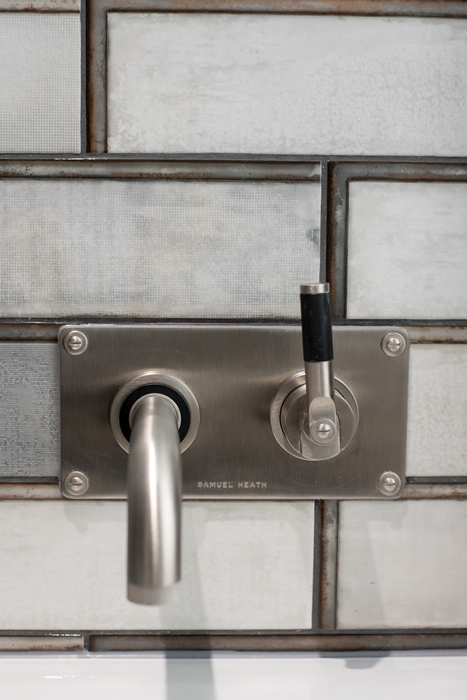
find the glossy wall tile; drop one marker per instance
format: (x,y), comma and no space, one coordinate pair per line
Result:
(402,564)
(156,248)
(407,250)
(40,82)
(437,438)
(245,566)
(233,83)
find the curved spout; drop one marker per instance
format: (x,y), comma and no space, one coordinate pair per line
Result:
(154,501)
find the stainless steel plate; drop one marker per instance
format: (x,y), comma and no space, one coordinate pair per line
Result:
(234,372)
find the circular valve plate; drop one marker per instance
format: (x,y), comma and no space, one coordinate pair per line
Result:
(289,410)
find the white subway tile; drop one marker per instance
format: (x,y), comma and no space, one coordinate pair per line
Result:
(246,565)
(402,564)
(407,250)
(437,431)
(287,84)
(40,82)
(156,248)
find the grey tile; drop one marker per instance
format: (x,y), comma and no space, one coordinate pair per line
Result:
(287,84)
(407,250)
(29,418)
(246,565)
(437,434)
(402,564)
(38,5)
(156,248)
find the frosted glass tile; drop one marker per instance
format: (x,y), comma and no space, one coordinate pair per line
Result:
(156,248)
(40,90)
(407,250)
(245,566)
(437,435)
(402,564)
(287,84)
(29,420)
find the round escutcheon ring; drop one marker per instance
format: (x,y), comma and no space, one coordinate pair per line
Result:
(293,391)
(176,391)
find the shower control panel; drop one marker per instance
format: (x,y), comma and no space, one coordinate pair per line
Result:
(264,412)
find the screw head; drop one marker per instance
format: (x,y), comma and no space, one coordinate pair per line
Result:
(323,431)
(76,483)
(393,344)
(75,342)
(389,483)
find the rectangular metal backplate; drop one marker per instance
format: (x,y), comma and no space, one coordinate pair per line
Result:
(234,372)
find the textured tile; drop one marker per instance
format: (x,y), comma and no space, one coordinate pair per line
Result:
(437,433)
(156,249)
(29,420)
(402,564)
(40,88)
(287,84)
(407,250)
(245,566)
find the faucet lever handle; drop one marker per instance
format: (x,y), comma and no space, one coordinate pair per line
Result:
(316,322)
(320,432)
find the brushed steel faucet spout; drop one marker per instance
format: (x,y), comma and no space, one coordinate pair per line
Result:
(154,500)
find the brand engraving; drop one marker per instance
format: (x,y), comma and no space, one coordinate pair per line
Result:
(232,484)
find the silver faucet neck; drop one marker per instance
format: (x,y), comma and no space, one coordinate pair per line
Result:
(154,501)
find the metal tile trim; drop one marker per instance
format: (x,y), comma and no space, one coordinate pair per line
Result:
(329,528)
(324,220)
(317,550)
(180,168)
(40,6)
(34,642)
(348,642)
(431,491)
(30,491)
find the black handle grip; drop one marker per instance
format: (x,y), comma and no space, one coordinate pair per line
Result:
(316,327)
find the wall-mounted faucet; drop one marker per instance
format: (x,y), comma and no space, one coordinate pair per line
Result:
(281,412)
(154,417)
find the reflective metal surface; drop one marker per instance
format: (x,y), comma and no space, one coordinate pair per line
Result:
(154,501)
(320,427)
(235,372)
(144,379)
(289,415)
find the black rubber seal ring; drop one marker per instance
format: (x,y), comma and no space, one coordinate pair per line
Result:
(177,398)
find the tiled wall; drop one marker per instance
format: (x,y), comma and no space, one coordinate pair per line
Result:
(125,235)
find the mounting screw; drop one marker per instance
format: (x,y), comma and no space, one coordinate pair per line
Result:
(75,342)
(393,344)
(76,483)
(322,431)
(389,483)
